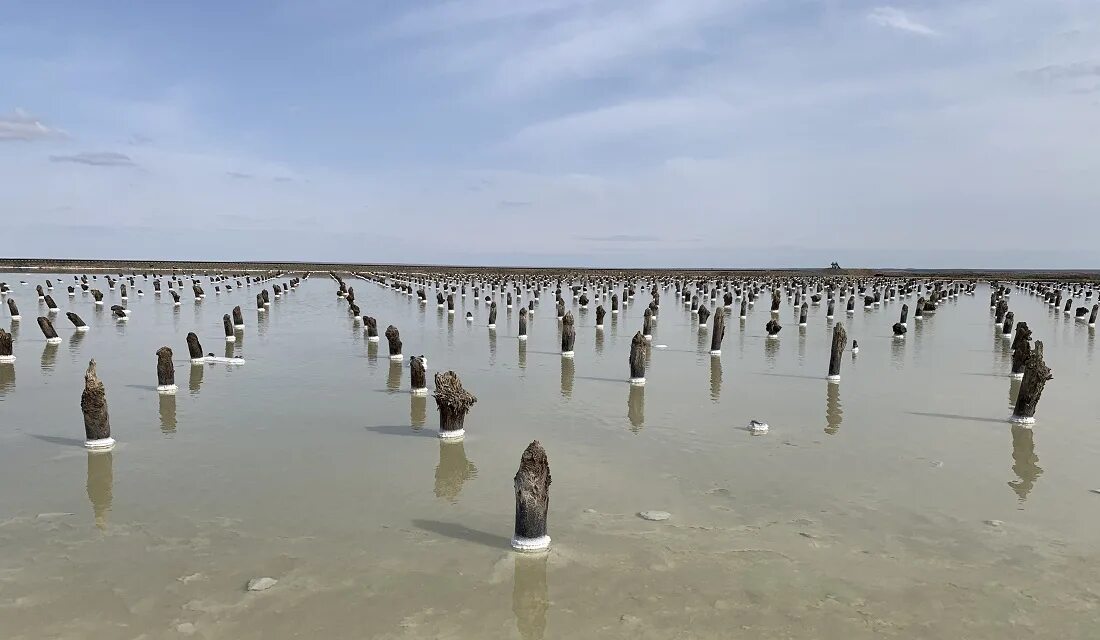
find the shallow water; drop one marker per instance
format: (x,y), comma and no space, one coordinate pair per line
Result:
(864,513)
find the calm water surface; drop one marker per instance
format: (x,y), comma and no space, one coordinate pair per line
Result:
(897,503)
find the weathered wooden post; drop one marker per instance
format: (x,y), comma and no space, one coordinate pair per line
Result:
(453,402)
(637,359)
(647,324)
(51,306)
(394,338)
(266,297)
(773,328)
(98,295)
(7,356)
(238,318)
(1006,329)
(600,313)
(1021,349)
(372,328)
(419,376)
(704,315)
(904,315)
(13,310)
(851,307)
(227,325)
(718,333)
(166,371)
(1036,374)
(568,335)
(48,331)
(93,404)
(614,304)
(744,309)
(532,483)
(829,312)
(803,311)
(78,323)
(260,306)
(119,313)
(775,300)
(1092,316)
(493,315)
(899,331)
(840,338)
(194,349)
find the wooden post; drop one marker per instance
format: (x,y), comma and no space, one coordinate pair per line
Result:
(532,484)
(600,313)
(48,331)
(1036,374)
(493,315)
(802,313)
(637,359)
(166,371)
(773,328)
(238,318)
(6,353)
(453,402)
(1021,349)
(93,404)
(568,335)
(372,328)
(744,309)
(13,310)
(523,323)
(718,333)
(704,315)
(419,377)
(1006,329)
(394,339)
(840,338)
(77,321)
(194,349)
(227,325)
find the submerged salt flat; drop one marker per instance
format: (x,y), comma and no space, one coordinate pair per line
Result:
(897,503)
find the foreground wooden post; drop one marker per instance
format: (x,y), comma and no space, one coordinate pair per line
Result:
(453,402)
(372,328)
(93,404)
(1006,329)
(48,331)
(1021,349)
(419,377)
(718,333)
(166,371)
(6,354)
(238,318)
(637,359)
(704,315)
(532,483)
(194,349)
(568,335)
(773,328)
(493,315)
(77,321)
(840,338)
(227,325)
(394,338)
(600,313)
(1036,374)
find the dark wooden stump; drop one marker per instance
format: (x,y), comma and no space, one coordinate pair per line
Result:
(718,333)
(372,328)
(744,309)
(75,319)
(493,315)
(419,377)
(773,328)
(12,308)
(259,300)
(50,304)
(394,338)
(532,484)
(1021,349)
(194,348)
(899,330)
(1092,316)
(47,327)
(568,334)
(840,338)
(238,317)
(166,371)
(802,314)
(1006,329)
(647,324)
(704,315)
(93,403)
(5,345)
(98,295)
(600,313)
(1036,374)
(453,402)
(637,358)
(227,325)
(522,323)
(614,303)
(904,314)
(829,313)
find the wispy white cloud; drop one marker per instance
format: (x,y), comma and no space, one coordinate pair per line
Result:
(96,158)
(898,19)
(22,126)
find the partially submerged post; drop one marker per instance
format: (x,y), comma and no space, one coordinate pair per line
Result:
(50,304)
(899,330)
(93,404)
(13,310)
(1036,374)
(840,337)
(394,338)
(647,324)
(166,371)
(453,402)
(260,308)
(372,328)
(718,333)
(568,335)
(227,325)
(704,315)
(238,318)
(523,323)
(802,312)
(904,315)
(773,328)
(493,315)
(637,359)
(419,377)
(6,354)
(532,483)
(1006,329)
(1021,349)
(47,330)
(600,313)
(194,349)
(77,321)
(98,295)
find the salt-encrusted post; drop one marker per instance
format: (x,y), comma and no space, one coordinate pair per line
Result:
(194,349)
(840,338)
(1021,349)
(532,483)
(1036,374)
(394,338)
(419,377)
(453,402)
(93,404)
(637,359)
(166,371)
(718,333)
(568,335)
(523,323)
(6,353)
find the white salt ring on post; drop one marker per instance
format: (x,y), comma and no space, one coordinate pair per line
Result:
(397,357)
(567,354)
(531,545)
(53,340)
(103,444)
(167,389)
(637,381)
(457,434)
(7,359)
(1015,419)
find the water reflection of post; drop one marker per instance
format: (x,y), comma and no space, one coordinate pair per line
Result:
(167,413)
(7,378)
(75,341)
(372,354)
(568,367)
(599,338)
(1024,461)
(530,596)
(393,378)
(897,353)
(452,471)
(49,357)
(834,412)
(100,485)
(771,350)
(522,354)
(635,407)
(194,381)
(492,346)
(715,378)
(418,411)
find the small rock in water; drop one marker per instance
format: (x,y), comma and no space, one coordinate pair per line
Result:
(261,584)
(994,523)
(757,427)
(655,516)
(1095,490)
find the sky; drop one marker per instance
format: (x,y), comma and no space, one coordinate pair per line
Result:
(648,133)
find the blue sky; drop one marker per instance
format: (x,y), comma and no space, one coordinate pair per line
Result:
(594,132)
